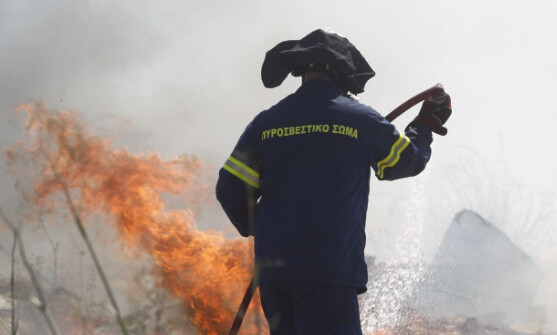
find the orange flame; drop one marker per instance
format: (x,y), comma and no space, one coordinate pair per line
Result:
(208,272)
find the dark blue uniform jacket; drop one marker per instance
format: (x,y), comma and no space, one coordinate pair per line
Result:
(298,180)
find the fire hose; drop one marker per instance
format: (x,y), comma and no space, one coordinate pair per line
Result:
(433,91)
(436,90)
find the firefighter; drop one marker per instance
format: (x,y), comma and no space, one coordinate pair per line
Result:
(298,181)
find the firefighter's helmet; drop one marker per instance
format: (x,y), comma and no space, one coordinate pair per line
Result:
(318,51)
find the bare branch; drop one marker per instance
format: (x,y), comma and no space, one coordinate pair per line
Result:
(12,288)
(42,305)
(93,254)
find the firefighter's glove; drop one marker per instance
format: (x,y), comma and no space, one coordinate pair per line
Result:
(435,112)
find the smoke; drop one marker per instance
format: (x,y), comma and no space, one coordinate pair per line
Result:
(57,49)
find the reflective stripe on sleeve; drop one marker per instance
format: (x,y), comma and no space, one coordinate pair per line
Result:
(242,171)
(393,156)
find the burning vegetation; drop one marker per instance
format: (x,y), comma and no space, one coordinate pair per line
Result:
(206,271)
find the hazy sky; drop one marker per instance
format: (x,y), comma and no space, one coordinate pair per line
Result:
(184,77)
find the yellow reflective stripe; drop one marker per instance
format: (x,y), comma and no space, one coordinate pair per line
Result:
(244,167)
(393,156)
(242,171)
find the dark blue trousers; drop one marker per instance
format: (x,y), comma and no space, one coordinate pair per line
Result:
(298,308)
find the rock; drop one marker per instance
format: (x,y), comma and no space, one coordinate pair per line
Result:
(478,272)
